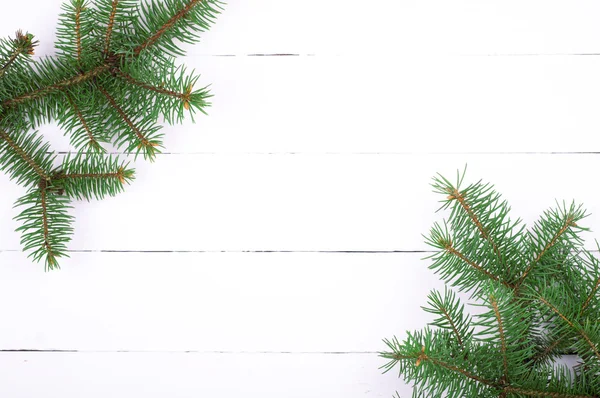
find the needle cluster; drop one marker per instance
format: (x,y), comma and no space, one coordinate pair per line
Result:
(113,81)
(538,293)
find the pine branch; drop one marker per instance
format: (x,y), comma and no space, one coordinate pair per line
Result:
(591,295)
(53,88)
(546,306)
(567,224)
(92,176)
(162,23)
(572,324)
(81,132)
(113,79)
(140,141)
(543,394)
(110,26)
(450,315)
(46,225)
(10,51)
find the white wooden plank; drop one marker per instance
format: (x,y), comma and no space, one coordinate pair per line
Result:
(159,375)
(310,202)
(251,302)
(381,26)
(390,105)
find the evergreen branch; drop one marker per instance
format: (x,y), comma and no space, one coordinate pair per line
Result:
(92,176)
(22,153)
(47,247)
(144,143)
(460,197)
(43,91)
(494,305)
(569,222)
(545,353)
(450,312)
(110,27)
(91,140)
(572,325)
(78,10)
(591,295)
(543,394)
(47,226)
(23,44)
(452,250)
(422,357)
(167,26)
(184,97)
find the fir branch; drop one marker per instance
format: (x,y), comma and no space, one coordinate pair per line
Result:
(562,222)
(51,256)
(92,143)
(184,97)
(571,323)
(150,41)
(92,176)
(546,307)
(494,305)
(451,314)
(422,357)
(78,10)
(547,351)
(454,194)
(23,44)
(46,225)
(591,296)
(22,153)
(110,27)
(113,77)
(568,223)
(43,91)
(147,146)
(543,394)
(450,249)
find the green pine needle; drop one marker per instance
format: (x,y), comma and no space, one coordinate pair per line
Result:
(113,81)
(539,291)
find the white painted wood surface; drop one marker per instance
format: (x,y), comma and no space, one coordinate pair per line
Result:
(267,252)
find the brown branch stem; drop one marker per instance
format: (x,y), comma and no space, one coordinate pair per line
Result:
(43,91)
(168,25)
(450,249)
(572,325)
(110,26)
(550,244)
(23,155)
(113,103)
(150,87)
(494,304)
(92,141)
(455,194)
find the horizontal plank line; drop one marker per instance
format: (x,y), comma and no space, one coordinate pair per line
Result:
(35,351)
(349,153)
(275,55)
(252,251)
(241,251)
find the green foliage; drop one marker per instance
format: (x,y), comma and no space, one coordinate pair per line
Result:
(539,294)
(113,81)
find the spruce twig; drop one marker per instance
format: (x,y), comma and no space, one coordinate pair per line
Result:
(546,306)
(112,80)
